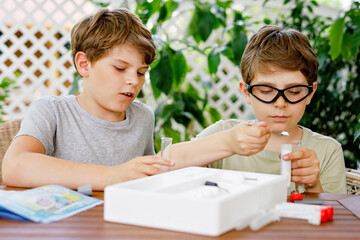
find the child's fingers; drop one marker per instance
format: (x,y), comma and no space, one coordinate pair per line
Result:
(302,163)
(305,170)
(257,124)
(158,160)
(152,169)
(306,179)
(261,124)
(297,155)
(258,130)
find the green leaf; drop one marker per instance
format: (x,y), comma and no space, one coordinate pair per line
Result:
(315,3)
(156,91)
(357,132)
(236,46)
(355,44)
(170,132)
(205,25)
(201,24)
(173,109)
(219,15)
(224,4)
(160,108)
(229,53)
(191,100)
(355,17)
(161,75)
(192,28)
(166,10)
(310,8)
(179,67)
(336,37)
(145,9)
(213,61)
(346,46)
(163,14)
(192,92)
(214,115)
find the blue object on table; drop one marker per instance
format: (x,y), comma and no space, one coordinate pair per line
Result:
(11,216)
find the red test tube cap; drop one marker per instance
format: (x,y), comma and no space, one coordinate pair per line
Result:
(323,215)
(296,196)
(330,212)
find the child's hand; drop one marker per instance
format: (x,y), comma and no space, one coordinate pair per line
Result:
(248,139)
(137,168)
(305,169)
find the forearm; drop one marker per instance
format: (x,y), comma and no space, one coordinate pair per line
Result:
(35,169)
(201,152)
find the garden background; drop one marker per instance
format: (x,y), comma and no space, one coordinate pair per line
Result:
(194,81)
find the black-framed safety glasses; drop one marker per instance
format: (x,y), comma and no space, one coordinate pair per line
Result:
(269,94)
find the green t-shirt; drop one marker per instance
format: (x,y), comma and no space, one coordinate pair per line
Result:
(328,151)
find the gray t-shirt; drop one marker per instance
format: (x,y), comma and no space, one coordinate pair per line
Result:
(69,132)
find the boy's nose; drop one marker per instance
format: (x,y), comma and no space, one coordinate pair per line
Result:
(280,102)
(132,79)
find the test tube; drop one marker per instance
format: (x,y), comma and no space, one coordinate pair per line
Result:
(297,145)
(285,169)
(315,214)
(165,150)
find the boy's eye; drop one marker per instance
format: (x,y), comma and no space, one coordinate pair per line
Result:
(141,74)
(266,91)
(119,69)
(294,92)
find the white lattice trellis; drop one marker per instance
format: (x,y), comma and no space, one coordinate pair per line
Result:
(34,42)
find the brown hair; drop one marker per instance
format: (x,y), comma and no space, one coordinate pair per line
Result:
(96,35)
(282,48)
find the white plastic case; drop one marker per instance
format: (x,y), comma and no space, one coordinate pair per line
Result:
(179,200)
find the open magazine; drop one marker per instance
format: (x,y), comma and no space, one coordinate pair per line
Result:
(44,204)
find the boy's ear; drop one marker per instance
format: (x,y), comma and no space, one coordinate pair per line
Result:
(308,100)
(82,64)
(244,92)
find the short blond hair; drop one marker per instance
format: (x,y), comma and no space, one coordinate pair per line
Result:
(95,35)
(274,46)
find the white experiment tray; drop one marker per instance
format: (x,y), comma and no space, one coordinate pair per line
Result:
(179,200)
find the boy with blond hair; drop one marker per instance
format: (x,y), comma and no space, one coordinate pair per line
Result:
(101,136)
(279,70)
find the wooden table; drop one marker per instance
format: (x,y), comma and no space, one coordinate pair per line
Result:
(91,225)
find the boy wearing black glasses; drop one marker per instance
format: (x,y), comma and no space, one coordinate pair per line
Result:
(279,70)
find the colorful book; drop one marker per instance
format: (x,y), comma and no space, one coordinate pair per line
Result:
(44,204)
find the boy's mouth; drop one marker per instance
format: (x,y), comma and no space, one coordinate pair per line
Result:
(279,118)
(128,94)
